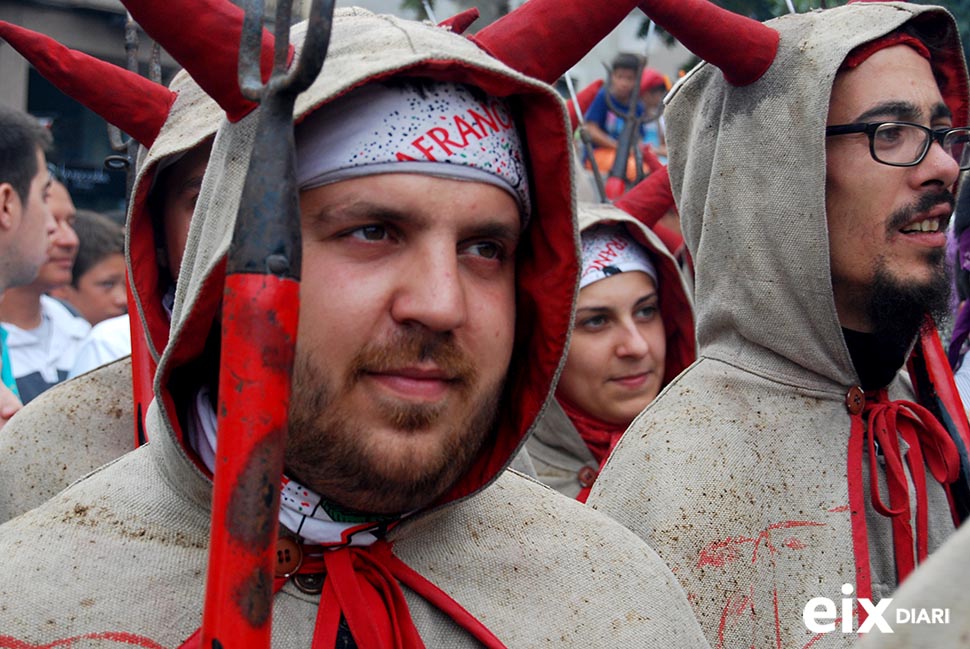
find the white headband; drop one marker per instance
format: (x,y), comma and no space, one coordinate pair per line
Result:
(416,126)
(608,250)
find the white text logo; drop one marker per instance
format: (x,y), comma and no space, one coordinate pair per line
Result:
(821,614)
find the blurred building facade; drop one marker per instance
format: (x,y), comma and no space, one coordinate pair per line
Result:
(96,27)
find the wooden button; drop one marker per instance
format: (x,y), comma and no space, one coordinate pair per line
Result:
(586,476)
(289,556)
(309,583)
(855,400)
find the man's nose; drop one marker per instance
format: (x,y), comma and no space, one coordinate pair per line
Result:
(66,237)
(431,292)
(50,223)
(119,297)
(939,167)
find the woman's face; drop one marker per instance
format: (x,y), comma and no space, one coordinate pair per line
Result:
(615,365)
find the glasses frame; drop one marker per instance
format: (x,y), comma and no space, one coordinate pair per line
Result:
(869,128)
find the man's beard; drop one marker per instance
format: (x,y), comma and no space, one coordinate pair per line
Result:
(896,309)
(329,452)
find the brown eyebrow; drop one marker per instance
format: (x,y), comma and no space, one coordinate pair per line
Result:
(362,209)
(903,111)
(605,309)
(498,231)
(593,309)
(941,110)
(358,209)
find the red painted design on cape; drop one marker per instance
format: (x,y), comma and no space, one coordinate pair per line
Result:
(121,637)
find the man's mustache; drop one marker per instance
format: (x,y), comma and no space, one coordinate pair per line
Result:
(925,203)
(410,347)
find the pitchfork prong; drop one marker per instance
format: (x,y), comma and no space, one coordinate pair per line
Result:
(305,69)
(251,50)
(314,47)
(284,13)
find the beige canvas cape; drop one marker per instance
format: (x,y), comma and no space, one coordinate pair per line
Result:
(932,609)
(74,429)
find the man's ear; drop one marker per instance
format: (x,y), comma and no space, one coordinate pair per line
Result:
(11,207)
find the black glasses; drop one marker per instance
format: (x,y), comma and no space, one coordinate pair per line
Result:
(904,144)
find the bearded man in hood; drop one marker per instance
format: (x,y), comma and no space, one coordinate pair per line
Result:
(438,281)
(41,444)
(793,460)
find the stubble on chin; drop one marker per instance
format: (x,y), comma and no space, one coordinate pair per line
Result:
(421,450)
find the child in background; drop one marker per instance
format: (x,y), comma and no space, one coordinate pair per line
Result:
(97,288)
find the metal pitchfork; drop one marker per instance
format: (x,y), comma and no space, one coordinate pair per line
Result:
(259,322)
(129,148)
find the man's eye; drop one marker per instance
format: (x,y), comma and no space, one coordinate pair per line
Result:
(486,249)
(890,135)
(370,233)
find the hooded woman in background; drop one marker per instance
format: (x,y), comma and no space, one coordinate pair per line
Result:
(634,332)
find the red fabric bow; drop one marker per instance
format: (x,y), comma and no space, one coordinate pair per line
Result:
(886,422)
(361,586)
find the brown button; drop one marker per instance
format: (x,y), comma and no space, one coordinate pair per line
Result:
(289,556)
(309,583)
(855,400)
(586,476)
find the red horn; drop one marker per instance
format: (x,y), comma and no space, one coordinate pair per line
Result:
(649,199)
(460,21)
(543,39)
(742,48)
(134,104)
(204,36)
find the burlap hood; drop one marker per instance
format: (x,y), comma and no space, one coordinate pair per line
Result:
(747,168)
(557,450)
(193,118)
(546,263)
(675,302)
(746,473)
